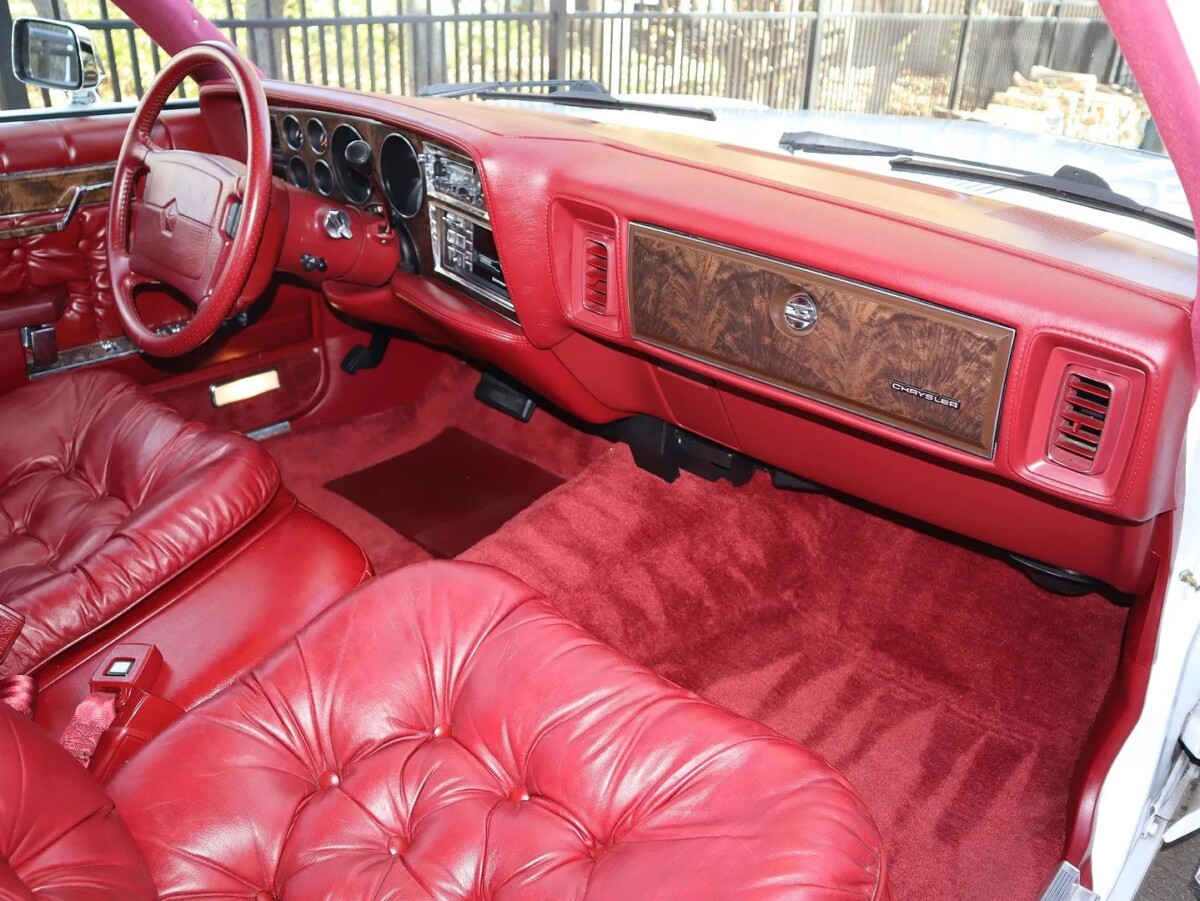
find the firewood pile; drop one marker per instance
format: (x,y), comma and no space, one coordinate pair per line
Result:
(1073,104)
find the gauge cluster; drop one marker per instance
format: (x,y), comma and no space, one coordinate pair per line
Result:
(432,193)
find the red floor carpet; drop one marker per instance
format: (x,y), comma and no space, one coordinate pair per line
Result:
(952,692)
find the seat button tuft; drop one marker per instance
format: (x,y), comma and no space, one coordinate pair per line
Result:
(518,794)
(396,845)
(330,779)
(264,895)
(442,731)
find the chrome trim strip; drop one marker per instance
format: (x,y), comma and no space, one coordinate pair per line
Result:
(88,354)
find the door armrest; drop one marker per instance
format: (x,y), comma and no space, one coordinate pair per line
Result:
(32,308)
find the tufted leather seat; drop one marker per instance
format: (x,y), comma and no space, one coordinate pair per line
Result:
(443,732)
(60,836)
(105,494)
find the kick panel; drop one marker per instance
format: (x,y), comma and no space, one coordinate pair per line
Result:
(923,368)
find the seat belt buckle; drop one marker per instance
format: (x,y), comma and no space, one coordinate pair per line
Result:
(126,669)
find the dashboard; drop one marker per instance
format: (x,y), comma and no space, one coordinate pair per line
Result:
(998,372)
(429,191)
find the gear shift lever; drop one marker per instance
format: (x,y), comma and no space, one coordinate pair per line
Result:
(361,159)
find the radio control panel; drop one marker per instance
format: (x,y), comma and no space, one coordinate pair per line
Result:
(464,248)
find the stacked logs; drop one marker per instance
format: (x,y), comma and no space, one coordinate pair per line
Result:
(1073,104)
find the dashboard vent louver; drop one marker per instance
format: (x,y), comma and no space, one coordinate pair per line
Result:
(1084,406)
(595,276)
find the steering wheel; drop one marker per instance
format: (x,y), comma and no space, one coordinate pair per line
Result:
(189,220)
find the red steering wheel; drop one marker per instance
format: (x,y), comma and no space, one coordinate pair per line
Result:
(192,221)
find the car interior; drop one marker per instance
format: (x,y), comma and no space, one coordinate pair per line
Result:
(602,503)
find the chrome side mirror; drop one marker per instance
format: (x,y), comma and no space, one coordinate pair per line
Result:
(52,54)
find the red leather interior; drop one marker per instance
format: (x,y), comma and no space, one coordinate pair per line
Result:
(61,838)
(35,308)
(443,731)
(214,622)
(105,495)
(74,258)
(1108,298)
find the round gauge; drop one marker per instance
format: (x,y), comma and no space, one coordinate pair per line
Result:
(292,135)
(402,179)
(356,186)
(323,178)
(298,172)
(318,137)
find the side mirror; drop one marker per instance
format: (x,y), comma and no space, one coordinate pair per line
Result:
(52,54)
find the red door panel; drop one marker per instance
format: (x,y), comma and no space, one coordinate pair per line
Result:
(42,161)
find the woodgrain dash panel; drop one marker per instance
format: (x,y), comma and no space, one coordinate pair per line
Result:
(723,306)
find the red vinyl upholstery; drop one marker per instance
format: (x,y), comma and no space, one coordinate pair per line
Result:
(105,494)
(443,732)
(61,838)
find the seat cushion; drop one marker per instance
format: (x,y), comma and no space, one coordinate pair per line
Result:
(105,494)
(443,732)
(60,836)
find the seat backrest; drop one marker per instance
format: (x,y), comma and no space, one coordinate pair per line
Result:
(60,835)
(106,494)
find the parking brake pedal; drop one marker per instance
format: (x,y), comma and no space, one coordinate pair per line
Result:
(505,396)
(366,357)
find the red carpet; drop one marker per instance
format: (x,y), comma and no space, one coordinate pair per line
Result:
(952,692)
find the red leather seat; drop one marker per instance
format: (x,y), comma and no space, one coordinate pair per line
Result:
(442,732)
(60,836)
(106,494)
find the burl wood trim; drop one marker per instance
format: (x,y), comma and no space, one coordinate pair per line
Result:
(721,305)
(46,190)
(374,134)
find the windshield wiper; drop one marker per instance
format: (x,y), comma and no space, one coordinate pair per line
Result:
(1069,183)
(470,88)
(583,93)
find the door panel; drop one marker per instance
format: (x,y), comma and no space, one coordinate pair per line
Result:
(43,161)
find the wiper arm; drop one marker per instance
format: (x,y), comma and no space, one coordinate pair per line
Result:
(470,88)
(1068,183)
(567,92)
(601,101)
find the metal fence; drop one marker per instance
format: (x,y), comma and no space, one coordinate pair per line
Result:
(868,56)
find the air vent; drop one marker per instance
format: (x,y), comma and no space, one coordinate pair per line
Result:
(595,276)
(1084,407)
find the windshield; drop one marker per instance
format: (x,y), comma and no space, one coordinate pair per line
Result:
(1031,85)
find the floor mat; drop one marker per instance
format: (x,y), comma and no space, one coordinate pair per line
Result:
(309,458)
(448,493)
(953,693)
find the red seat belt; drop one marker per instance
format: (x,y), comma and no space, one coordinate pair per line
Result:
(17,691)
(94,714)
(126,671)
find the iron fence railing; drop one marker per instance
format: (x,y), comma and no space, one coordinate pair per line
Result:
(838,55)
